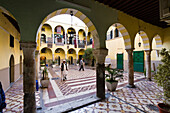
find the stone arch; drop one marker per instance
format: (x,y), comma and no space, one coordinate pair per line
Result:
(74,51)
(71,55)
(83,34)
(11,69)
(124,33)
(62,28)
(47,52)
(145,40)
(158,40)
(43,38)
(59,52)
(81,16)
(80,53)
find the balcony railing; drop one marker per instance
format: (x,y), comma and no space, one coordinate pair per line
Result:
(59,41)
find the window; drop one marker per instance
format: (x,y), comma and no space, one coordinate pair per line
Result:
(11,41)
(43,38)
(43,29)
(111,34)
(116,33)
(43,50)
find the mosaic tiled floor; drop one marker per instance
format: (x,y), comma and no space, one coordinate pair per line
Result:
(136,100)
(78,84)
(14,98)
(82,84)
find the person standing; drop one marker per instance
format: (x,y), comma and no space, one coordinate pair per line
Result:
(2,99)
(64,70)
(81,65)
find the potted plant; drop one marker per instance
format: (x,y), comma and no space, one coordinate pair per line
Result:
(111,81)
(162,78)
(44,80)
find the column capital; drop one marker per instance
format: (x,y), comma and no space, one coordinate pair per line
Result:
(100,54)
(148,52)
(28,44)
(129,50)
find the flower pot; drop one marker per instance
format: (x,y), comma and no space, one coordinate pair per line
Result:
(111,86)
(44,83)
(162,107)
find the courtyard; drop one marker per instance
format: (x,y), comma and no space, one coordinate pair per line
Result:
(80,87)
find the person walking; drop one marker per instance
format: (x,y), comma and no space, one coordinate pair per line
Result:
(81,65)
(64,70)
(2,99)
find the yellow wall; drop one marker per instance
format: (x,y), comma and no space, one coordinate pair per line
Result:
(48,31)
(115,46)
(48,55)
(61,54)
(6,28)
(81,37)
(166,39)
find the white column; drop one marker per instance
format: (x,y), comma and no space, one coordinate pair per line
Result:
(65,37)
(53,57)
(77,38)
(65,56)
(52,36)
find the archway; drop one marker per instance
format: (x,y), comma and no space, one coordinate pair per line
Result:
(80,54)
(11,69)
(59,35)
(43,38)
(140,44)
(71,53)
(47,53)
(117,40)
(71,36)
(59,55)
(82,38)
(156,48)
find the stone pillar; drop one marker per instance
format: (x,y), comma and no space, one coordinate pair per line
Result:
(29,76)
(76,59)
(148,64)
(100,55)
(86,39)
(130,69)
(65,56)
(37,59)
(52,56)
(53,36)
(77,35)
(66,37)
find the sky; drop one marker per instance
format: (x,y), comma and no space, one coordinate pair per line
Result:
(65,18)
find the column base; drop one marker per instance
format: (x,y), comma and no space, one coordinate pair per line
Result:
(29,103)
(149,79)
(131,86)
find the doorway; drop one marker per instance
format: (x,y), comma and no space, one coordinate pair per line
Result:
(138,61)
(120,61)
(21,65)
(58,60)
(11,69)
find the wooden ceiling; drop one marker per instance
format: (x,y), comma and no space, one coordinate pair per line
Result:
(146,10)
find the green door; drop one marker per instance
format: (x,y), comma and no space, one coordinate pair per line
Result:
(120,61)
(138,61)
